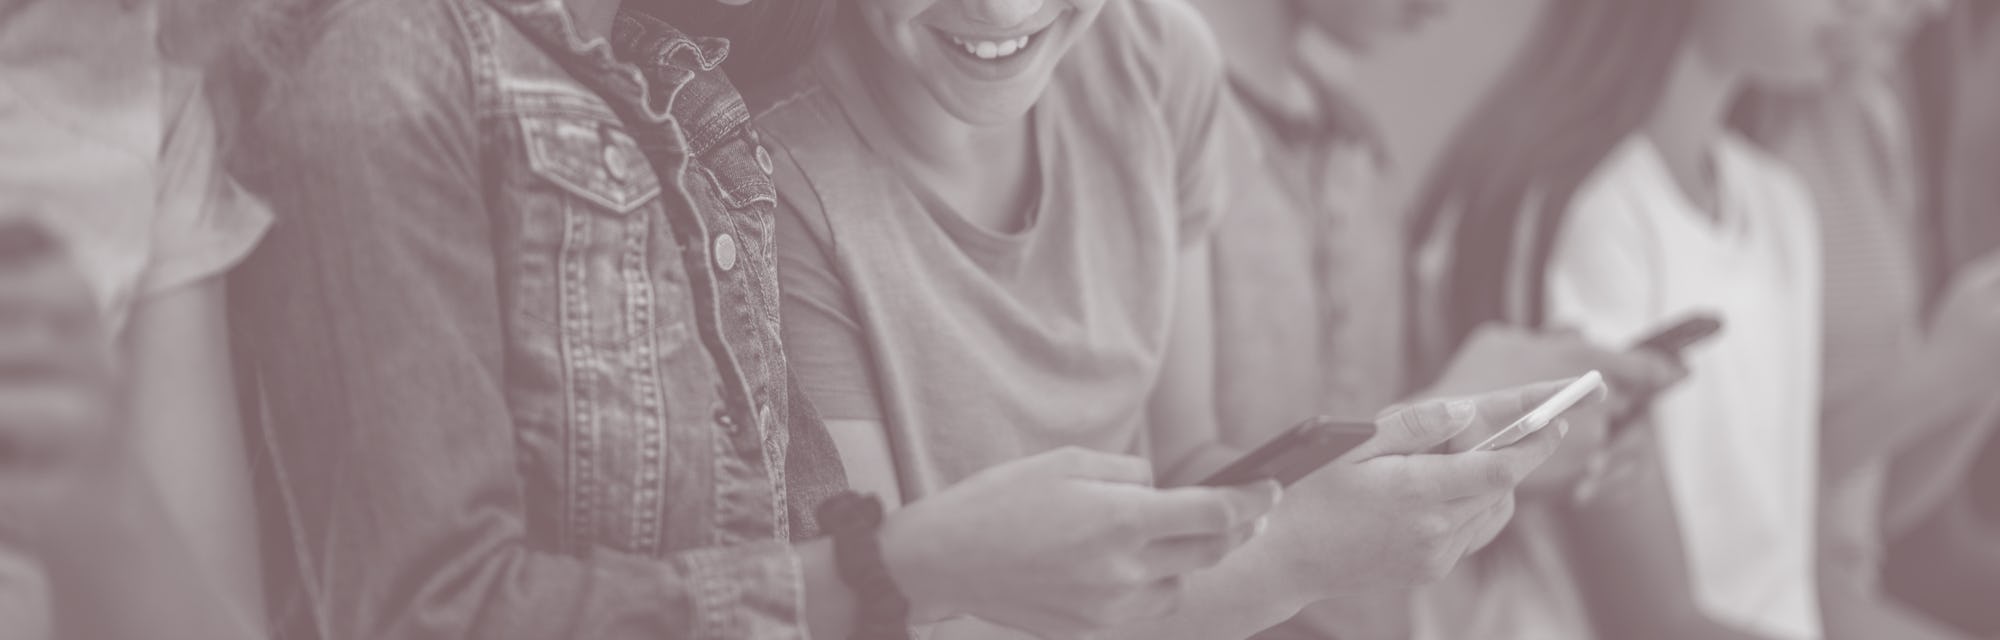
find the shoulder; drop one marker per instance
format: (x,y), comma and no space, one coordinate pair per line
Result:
(810,144)
(374,62)
(795,109)
(1628,177)
(1162,49)
(1162,34)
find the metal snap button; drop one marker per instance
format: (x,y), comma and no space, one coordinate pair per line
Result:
(764,160)
(725,252)
(615,163)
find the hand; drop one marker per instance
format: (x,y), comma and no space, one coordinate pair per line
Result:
(1389,515)
(56,387)
(1500,356)
(1064,543)
(1965,337)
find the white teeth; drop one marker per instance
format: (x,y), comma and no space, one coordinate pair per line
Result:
(993,49)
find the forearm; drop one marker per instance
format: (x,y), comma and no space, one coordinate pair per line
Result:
(189,436)
(830,605)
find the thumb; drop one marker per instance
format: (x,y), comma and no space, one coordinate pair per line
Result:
(1087,464)
(1416,428)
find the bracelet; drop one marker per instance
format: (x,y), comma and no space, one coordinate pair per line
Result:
(853,519)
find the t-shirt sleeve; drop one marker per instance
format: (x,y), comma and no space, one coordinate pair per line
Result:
(1191,78)
(824,341)
(206,222)
(1601,275)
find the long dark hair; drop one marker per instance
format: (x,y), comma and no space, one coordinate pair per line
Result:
(767,38)
(1591,75)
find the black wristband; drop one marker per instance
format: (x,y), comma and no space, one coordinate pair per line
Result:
(882,612)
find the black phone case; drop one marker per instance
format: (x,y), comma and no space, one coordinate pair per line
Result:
(1295,454)
(1669,342)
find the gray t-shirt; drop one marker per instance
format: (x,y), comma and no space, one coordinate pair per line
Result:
(973,346)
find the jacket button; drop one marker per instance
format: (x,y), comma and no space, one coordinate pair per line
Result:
(764,160)
(616,164)
(725,252)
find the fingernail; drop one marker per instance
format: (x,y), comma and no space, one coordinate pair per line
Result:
(1461,411)
(1258,528)
(22,240)
(1562,427)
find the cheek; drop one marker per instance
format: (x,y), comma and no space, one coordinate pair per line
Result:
(1085,7)
(892,26)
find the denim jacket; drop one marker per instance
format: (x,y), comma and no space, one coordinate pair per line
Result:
(517,335)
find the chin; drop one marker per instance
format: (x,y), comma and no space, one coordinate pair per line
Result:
(993,106)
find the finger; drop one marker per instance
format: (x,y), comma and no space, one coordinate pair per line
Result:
(1205,511)
(1412,429)
(1175,556)
(1157,600)
(1497,409)
(1078,462)
(1484,473)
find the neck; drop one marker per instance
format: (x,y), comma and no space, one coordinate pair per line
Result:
(895,110)
(1258,38)
(593,17)
(1690,120)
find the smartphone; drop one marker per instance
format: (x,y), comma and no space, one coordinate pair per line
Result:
(1535,419)
(1673,340)
(1296,453)
(1670,342)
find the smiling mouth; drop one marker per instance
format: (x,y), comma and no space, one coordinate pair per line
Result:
(993,50)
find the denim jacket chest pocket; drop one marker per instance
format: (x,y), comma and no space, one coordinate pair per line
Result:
(615,398)
(591,159)
(590,204)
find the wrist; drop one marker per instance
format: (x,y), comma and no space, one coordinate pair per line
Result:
(908,556)
(1278,574)
(854,521)
(1288,551)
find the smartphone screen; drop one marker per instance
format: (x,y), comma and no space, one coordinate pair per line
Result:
(1296,453)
